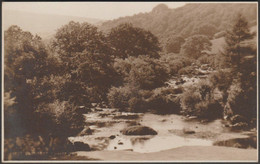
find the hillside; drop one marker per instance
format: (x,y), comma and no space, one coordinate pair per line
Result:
(218,43)
(44,25)
(164,22)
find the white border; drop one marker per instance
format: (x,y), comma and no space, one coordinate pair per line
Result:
(89,161)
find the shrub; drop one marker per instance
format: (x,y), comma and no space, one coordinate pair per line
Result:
(241,102)
(174,62)
(201,101)
(189,70)
(61,118)
(137,104)
(35,147)
(119,97)
(189,99)
(164,100)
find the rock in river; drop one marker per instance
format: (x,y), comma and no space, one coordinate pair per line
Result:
(112,137)
(188,131)
(139,130)
(80,146)
(85,131)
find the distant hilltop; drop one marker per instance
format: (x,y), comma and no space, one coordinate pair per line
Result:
(164,22)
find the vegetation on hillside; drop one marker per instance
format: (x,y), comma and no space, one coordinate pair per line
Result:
(196,18)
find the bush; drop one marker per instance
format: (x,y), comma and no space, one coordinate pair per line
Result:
(61,118)
(201,101)
(164,100)
(189,70)
(35,147)
(174,62)
(241,102)
(207,59)
(143,72)
(137,104)
(119,97)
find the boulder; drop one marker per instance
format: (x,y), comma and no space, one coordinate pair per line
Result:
(188,131)
(112,137)
(239,126)
(120,143)
(127,116)
(138,130)
(80,146)
(85,131)
(245,143)
(237,119)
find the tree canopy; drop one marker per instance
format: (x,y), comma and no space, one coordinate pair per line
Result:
(127,40)
(195,45)
(87,60)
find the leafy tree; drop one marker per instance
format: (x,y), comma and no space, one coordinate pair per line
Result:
(200,100)
(174,44)
(27,63)
(174,62)
(142,72)
(128,41)
(205,29)
(195,46)
(87,61)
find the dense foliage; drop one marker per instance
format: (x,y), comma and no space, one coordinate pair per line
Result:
(128,41)
(164,22)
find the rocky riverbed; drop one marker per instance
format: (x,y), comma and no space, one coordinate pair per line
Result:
(105,128)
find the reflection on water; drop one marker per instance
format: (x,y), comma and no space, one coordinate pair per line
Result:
(154,143)
(106,123)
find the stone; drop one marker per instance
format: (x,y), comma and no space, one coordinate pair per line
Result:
(112,137)
(85,131)
(237,119)
(80,146)
(139,130)
(188,131)
(239,126)
(120,143)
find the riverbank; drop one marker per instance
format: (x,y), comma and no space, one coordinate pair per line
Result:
(186,153)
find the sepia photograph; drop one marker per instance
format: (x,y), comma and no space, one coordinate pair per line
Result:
(129,81)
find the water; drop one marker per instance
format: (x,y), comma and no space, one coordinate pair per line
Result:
(154,144)
(99,140)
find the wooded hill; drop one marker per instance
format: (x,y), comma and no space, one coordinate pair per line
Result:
(186,21)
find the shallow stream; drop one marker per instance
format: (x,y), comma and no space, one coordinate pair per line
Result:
(107,124)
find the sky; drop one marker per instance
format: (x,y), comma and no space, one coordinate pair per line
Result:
(99,10)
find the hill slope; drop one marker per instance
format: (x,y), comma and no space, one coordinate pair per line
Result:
(164,22)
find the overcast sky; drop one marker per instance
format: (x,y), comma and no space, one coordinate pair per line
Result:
(100,10)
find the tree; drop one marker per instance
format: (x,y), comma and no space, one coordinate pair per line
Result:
(128,41)
(142,72)
(205,29)
(87,61)
(174,44)
(195,46)
(235,39)
(27,62)
(240,54)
